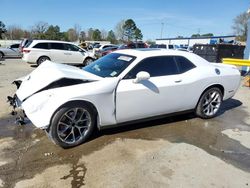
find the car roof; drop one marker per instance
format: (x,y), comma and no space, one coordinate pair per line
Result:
(150,52)
(49,41)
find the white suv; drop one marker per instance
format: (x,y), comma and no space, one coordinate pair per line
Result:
(38,51)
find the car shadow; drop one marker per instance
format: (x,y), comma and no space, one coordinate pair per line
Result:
(226,106)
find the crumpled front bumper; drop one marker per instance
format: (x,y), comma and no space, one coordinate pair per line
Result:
(17,111)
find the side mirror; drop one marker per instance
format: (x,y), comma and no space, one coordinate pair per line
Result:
(80,50)
(141,76)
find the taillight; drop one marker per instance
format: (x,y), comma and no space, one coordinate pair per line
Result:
(26,51)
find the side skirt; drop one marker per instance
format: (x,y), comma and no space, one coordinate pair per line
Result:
(145,119)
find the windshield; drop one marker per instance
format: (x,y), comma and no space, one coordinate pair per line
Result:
(110,65)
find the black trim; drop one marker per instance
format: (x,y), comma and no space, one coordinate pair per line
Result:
(103,127)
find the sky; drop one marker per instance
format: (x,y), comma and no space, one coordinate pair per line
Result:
(155,18)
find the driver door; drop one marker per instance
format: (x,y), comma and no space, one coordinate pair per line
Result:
(161,94)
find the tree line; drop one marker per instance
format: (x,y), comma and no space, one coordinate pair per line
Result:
(125,30)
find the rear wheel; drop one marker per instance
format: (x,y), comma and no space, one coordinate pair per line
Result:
(87,61)
(1,55)
(72,124)
(42,59)
(209,103)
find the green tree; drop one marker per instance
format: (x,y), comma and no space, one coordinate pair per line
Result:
(207,35)
(195,35)
(53,33)
(90,34)
(2,29)
(111,37)
(137,34)
(240,26)
(64,36)
(129,29)
(97,35)
(82,36)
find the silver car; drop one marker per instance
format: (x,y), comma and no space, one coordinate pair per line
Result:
(11,51)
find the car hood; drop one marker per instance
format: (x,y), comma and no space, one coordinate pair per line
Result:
(48,73)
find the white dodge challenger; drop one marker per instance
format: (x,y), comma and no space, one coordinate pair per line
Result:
(122,87)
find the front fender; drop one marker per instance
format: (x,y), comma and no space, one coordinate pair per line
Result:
(41,107)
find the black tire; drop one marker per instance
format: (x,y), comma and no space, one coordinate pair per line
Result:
(209,103)
(72,124)
(87,61)
(1,55)
(42,59)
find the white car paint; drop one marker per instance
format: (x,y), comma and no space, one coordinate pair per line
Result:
(119,100)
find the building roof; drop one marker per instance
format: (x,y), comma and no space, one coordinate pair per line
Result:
(201,37)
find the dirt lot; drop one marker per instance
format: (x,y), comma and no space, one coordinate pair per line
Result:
(181,151)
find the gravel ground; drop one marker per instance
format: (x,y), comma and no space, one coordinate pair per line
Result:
(180,151)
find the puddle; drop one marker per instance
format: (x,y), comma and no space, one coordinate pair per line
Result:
(34,152)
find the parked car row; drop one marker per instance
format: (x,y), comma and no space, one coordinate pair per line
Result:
(38,51)
(106,49)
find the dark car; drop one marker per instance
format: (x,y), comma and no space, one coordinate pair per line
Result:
(133,45)
(164,46)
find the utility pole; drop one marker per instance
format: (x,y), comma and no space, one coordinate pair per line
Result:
(162,25)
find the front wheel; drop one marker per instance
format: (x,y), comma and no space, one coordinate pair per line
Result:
(209,103)
(72,124)
(87,61)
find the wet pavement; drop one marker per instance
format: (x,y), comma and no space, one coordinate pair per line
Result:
(26,151)
(33,152)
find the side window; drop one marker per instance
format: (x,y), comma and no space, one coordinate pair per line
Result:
(184,64)
(162,46)
(171,46)
(71,47)
(155,66)
(42,45)
(14,46)
(57,46)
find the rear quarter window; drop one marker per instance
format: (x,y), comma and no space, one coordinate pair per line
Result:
(42,45)
(57,46)
(184,64)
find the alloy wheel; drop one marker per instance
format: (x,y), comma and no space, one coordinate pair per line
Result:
(211,103)
(73,125)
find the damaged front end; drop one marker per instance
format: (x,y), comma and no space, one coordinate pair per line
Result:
(35,97)
(15,102)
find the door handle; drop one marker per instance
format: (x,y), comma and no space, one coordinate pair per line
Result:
(67,54)
(178,81)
